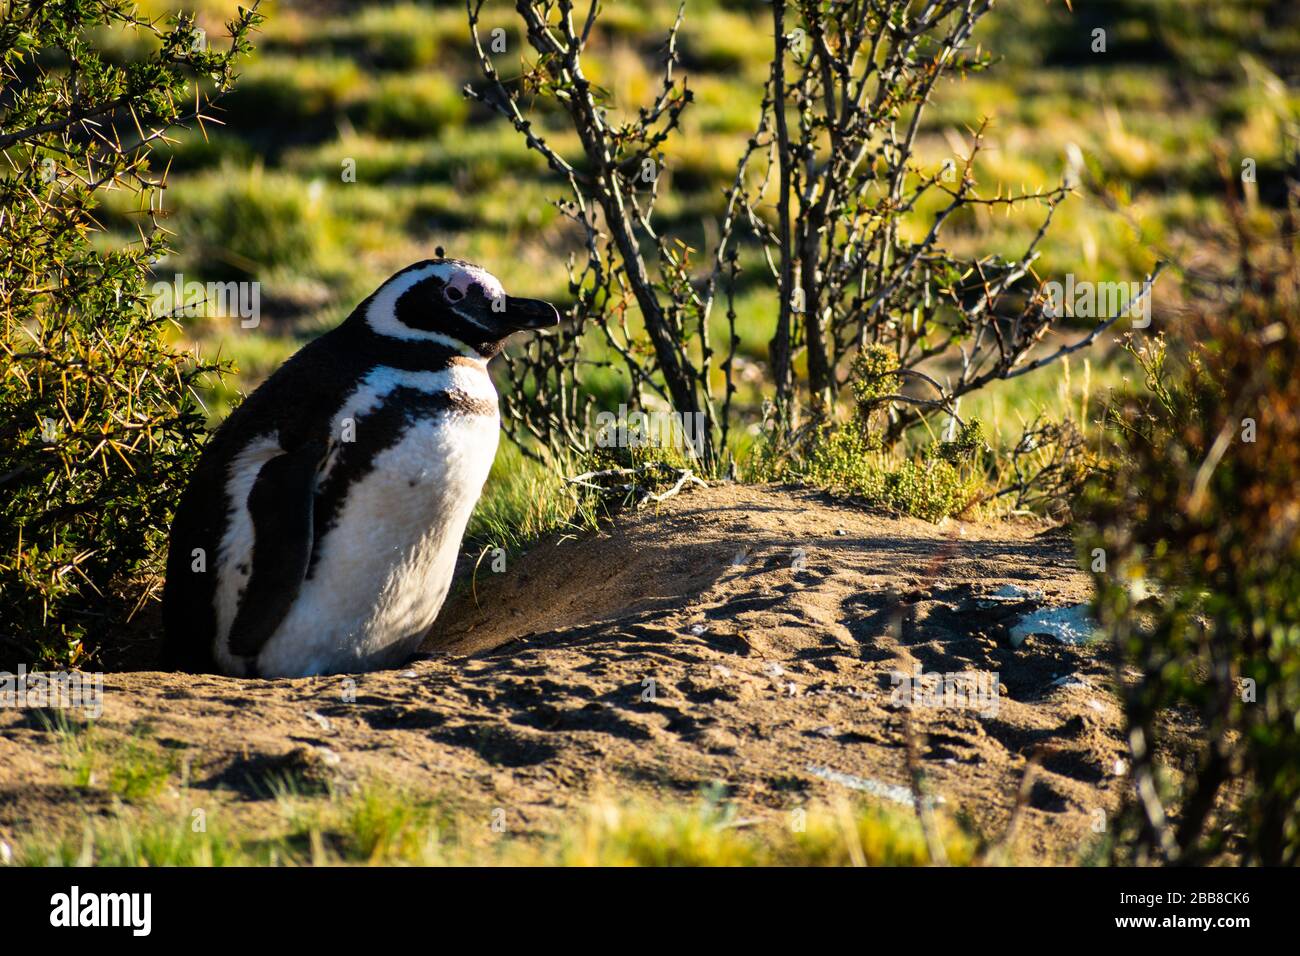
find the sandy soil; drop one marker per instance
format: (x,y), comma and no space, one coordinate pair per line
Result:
(743,635)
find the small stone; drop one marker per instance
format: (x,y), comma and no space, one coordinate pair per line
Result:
(1069,680)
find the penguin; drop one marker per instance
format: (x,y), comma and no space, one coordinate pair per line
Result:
(319,530)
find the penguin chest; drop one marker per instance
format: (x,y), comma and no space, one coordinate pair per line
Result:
(401,527)
(411,508)
(383,568)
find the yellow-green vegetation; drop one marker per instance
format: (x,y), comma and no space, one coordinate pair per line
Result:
(347,152)
(710,834)
(98,423)
(525,500)
(1034,464)
(316,819)
(1193,539)
(929,486)
(378,84)
(383,825)
(941,478)
(133,769)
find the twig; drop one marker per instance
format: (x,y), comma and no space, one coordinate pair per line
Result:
(997,852)
(685,476)
(922,803)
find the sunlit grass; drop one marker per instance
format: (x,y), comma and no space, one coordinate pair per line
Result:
(133,768)
(387,825)
(379,86)
(525,500)
(1074,389)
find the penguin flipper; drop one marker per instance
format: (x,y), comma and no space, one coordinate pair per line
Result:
(280,504)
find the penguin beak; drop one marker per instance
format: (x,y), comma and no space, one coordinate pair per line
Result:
(523,314)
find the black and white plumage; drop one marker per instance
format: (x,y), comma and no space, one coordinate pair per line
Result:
(320,530)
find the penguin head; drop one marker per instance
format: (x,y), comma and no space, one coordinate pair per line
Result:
(443,298)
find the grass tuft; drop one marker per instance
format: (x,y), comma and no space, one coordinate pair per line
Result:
(385,825)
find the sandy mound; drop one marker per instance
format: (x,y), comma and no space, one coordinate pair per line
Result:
(744,635)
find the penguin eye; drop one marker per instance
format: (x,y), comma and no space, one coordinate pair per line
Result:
(453,294)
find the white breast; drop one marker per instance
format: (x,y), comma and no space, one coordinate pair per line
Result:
(385,567)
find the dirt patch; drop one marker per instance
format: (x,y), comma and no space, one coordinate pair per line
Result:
(737,635)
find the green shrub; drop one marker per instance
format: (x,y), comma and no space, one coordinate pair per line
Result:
(398,37)
(933,485)
(241,224)
(98,426)
(1194,542)
(414,106)
(291,95)
(198,149)
(944,478)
